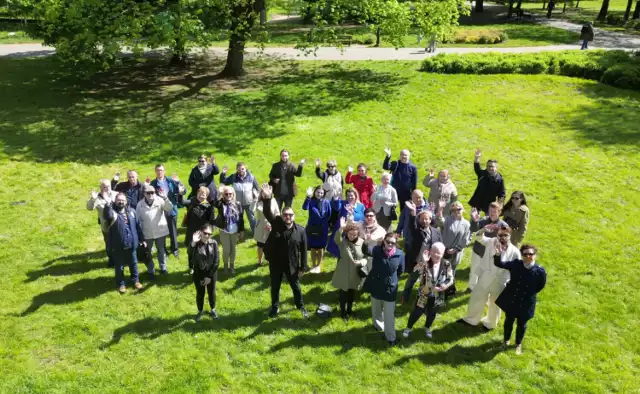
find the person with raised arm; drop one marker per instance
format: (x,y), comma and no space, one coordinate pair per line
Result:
(332,181)
(282,179)
(490,186)
(199,212)
(98,201)
(286,251)
(247,189)
(230,221)
(172,188)
(317,228)
(440,189)
(455,231)
(404,174)
(362,183)
(153,221)
(203,175)
(353,258)
(132,187)
(478,252)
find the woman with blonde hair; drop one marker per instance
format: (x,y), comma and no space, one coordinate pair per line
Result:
(352,258)
(385,200)
(230,221)
(263,228)
(455,236)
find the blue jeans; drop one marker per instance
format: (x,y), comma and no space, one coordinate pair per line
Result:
(162,255)
(122,258)
(251,216)
(585,44)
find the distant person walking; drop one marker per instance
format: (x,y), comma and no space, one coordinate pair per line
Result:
(550,7)
(586,34)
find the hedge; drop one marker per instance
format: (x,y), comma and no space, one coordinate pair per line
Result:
(617,68)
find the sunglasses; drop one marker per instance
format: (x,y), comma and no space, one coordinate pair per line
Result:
(205,233)
(150,193)
(528,254)
(287,214)
(391,243)
(331,166)
(515,198)
(503,235)
(228,194)
(202,161)
(369,216)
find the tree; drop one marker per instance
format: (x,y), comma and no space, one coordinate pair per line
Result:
(438,18)
(636,12)
(479,6)
(602,15)
(627,12)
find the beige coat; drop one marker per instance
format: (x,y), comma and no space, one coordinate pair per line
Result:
(152,218)
(99,204)
(518,220)
(261,233)
(447,191)
(346,277)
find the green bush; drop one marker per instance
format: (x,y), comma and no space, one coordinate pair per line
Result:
(617,68)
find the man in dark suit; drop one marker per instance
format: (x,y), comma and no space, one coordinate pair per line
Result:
(282,179)
(286,250)
(490,185)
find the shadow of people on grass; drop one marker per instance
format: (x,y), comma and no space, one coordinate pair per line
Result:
(457,355)
(361,337)
(80,264)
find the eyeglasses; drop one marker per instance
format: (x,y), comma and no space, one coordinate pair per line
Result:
(503,235)
(390,243)
(528,254)
(206,233)
(369,215)
(515,198)
(228,194)
(202,161)
(150,193)
(287,214)
(331,166)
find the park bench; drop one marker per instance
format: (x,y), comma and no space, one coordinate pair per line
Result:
(345,39)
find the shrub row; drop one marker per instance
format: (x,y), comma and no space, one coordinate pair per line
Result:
(489,37)
(617,68)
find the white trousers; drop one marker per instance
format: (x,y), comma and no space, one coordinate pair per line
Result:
(383,314)
(480,296)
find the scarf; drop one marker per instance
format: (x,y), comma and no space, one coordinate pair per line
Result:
(230,213)
(390,252)
(202,169)
(529,266)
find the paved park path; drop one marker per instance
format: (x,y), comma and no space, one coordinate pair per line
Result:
(604,40)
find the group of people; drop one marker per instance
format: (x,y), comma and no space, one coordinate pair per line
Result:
(353,223)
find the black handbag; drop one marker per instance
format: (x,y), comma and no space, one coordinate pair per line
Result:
(315,230)
(393,215)
(143,255)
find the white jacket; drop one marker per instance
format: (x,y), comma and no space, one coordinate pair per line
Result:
(384,197)
(152,220)
(99,204)
(487,271)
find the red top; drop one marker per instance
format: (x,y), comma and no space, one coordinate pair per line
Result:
(364,186)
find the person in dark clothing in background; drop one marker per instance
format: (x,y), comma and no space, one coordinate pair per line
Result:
(206,260)
(282,179)
(132,188)
(490,185)
(404,174)
(286,250)
(199,213)
(202,175)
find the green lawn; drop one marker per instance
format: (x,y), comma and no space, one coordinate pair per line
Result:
(570,144)
(14,33)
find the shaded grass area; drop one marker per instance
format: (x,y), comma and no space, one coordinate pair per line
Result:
(15,33)
(66,329)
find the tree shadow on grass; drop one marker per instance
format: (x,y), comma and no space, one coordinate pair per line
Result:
(125,113)
(457,355)
(80,264)
(611,121)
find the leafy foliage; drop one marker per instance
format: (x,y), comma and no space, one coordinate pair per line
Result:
(438,18)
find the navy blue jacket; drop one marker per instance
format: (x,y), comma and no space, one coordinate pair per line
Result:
(172,193)
(406,220)
(519,297)
(404,177)
(382,281)
(197,179)
(119,238)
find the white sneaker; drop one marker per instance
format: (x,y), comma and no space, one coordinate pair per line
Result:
(519,350)
(406,332)
(428,333)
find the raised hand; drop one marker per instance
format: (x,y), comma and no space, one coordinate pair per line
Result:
(411,206)
(212,159)
(387,151)
(442,203)
(175,177)
(343,222)
(478,154)
(318,162)
(303,161)
(267,226)
(94,194)
(196,236)
(116,177)
(309,191)
(475,215)
(431,172)
(225,169)
(498,246)
(266,189)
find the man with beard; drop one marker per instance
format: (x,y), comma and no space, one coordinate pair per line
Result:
(491,279)
(282,179)
(202,175)
(332,181)
(153,221)
(441,189)
(490,185)
(132,188)
(286,250)
(124,235)
(404,174)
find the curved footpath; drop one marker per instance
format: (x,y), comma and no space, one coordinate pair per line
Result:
(326,53)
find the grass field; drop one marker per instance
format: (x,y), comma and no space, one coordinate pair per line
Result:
(570,144)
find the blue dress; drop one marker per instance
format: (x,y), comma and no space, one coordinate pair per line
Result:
(340,207)
(318,224)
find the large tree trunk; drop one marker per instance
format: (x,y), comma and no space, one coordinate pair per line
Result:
(235,58)
(564,7)
(263,17)
(479,6)
(510,12)
(602,15)
(627,12)
(544,4)
(577,3)
(378,33)
(636,12)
